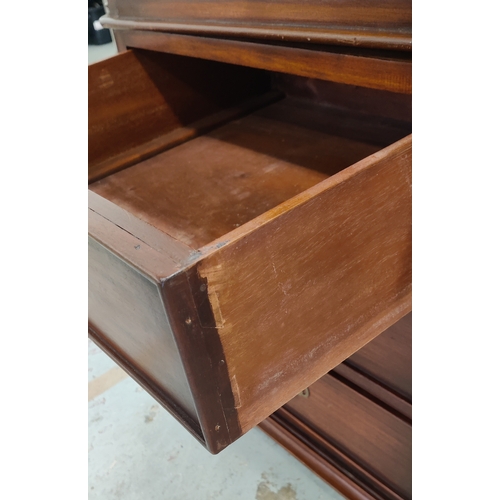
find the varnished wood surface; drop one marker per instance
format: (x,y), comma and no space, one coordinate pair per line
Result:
(145,233)
(374,438)
(387,398)
(154,265)
(307,284)
(383,368)
(383,73)
(314,437)
(178,136)
(387,107)
(203,189)
(388,358)
(325,459)
(292,342)
(236,253)
(143,102)
(307,452)
(141,323)
(370,23)
(188,308)
(126,308)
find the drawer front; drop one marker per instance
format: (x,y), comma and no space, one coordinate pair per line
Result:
(375,438)
(232,270)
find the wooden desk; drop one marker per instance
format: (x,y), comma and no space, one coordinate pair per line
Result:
(250,226)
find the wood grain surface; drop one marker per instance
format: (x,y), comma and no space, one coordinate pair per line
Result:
(203,189)
(369,23)
(378,72)
(319,455)
(233,270)
(371,387)
(127,308)
(384,105)
(307,284)
(325,432)
(147,234)
(187,305)
(388,359)
(373,437)
(143,102)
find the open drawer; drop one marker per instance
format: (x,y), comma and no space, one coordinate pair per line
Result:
(248,231)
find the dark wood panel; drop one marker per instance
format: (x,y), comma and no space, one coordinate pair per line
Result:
(137,307)
(369,23)
(381,105)
(381,393)
(388,359)
(127,313)
(285,251)
(311,457)
(325,459)
(188,308)
(376,439)
(382,73)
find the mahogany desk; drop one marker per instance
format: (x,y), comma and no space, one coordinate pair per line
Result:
(250,224)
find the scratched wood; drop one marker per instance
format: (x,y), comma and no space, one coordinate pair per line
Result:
(368,23)
(233,270)
(312,281)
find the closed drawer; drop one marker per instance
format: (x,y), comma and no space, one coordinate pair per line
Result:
(387,359)
(245,235)
(382,367)
(377,440)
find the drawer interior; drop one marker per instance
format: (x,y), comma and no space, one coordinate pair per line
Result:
(248,230)
(258,146)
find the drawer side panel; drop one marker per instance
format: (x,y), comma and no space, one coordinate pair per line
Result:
(320,278)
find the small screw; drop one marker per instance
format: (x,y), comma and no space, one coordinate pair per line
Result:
(203,288)
(305,393)
(188,321)
(217,427)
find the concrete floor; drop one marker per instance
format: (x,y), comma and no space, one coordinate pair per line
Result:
(138,451)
